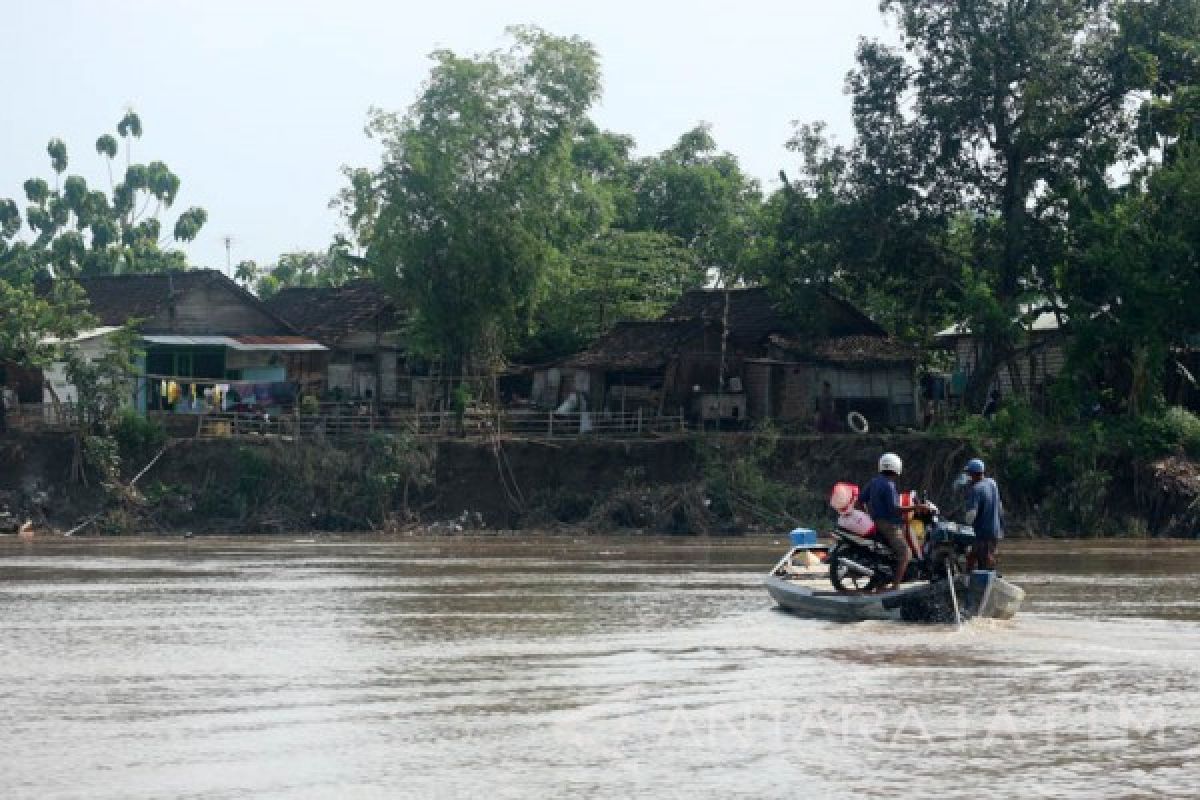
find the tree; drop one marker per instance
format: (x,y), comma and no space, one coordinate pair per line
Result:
(32,313)
(616,276)
(1136,283)
(478,193)
(33,320)
(698,195)
(1134,272)
(70,229)
(74,229)
(333,267)
(974,139)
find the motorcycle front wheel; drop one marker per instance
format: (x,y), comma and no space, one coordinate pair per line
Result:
(847,579)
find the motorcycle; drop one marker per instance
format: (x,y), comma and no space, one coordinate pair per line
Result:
(861,561)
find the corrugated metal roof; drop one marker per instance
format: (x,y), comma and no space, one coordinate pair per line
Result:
(188,341)
(1044,322)
(83,336)
(281,344)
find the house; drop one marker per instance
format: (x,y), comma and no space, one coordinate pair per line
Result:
(91,345)
(736,355)
(206,342)
(361,325)
(873,375)
(625,370)
(1034,366)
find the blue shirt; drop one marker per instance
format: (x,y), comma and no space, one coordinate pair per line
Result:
(881,500)
(983,497)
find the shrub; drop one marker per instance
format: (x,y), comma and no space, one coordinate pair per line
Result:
(1151,435)
(1185,426)
(737,484)
(1011,442)
(100,454)
(137,437)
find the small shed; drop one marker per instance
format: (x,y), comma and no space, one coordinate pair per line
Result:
(1034,366)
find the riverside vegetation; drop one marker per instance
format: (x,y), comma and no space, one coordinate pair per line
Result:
(1005,163)
(1100,477)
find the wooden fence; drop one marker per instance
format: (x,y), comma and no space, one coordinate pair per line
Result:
(526,424)
(43,417)
(344,421)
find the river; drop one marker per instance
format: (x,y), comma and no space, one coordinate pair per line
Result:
(553,667)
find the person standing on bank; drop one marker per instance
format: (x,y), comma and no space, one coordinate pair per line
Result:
(983,513)
(881,500)
(826,410)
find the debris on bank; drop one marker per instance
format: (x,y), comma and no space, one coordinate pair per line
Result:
(1173,505)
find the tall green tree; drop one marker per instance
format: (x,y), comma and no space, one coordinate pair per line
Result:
(974,138)
(72,228)
(1134,273)
(1135,287)
(616,276)
(333,267)
(478,194)
(69,229)
(698,194)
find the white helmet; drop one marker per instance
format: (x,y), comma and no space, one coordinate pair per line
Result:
(890,462)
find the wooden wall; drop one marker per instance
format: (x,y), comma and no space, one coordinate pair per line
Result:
(214,309)
(756,377)
(787,391)
(1037,365)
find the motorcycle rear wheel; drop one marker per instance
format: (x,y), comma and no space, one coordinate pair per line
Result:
(845,579)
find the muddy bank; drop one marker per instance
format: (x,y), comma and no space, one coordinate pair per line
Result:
(727,484)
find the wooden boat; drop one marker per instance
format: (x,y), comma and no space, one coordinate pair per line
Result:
(815,598)
(981,594)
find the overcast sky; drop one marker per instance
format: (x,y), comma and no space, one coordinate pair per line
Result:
(256,104)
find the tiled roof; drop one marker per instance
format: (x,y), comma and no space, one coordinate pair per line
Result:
(849,349)
(754,314)
(116,299)
(636,346)
(330,313)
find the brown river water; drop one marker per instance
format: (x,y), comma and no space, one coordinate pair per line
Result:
(553,667)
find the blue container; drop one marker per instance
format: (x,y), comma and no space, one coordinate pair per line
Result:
(803,536)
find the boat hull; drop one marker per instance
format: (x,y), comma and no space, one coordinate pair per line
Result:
(809,601)
(982,595)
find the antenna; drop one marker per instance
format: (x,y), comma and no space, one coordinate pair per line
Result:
(228,240)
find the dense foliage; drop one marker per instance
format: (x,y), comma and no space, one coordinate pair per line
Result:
(1009,158)
(69,229)
(333,267)
(73,228)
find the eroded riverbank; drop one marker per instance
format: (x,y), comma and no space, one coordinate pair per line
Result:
(685,485)
(557,666)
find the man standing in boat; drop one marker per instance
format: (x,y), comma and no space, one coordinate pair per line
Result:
(882,502)
(983,514)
